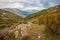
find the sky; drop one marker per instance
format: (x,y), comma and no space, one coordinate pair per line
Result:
(28,4)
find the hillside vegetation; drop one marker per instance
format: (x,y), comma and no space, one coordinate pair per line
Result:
(42,25)
(7,19)
(51,18)
(45,11)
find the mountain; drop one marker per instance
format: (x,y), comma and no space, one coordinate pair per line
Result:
(20,12)
(45,11)
(16,11)
(42,25)
(51,19)
(7,19)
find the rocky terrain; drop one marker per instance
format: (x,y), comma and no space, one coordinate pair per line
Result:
(42,25)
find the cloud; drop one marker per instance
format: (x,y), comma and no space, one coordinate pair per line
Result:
(28,4)
(11,5)
(22,4)
(10,0)
(32,8)
(52,4)
(49,3)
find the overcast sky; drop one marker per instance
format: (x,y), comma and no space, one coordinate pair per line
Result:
(28,4)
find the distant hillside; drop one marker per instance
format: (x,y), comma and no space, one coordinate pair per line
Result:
(49,17)
(16,11)
(45,11)
(20,12)
(8,19)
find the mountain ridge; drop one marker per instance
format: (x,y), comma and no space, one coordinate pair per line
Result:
(45,11)
(22,13)
(55,9)
(8,19)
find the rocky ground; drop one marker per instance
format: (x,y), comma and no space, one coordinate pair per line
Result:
(26,31)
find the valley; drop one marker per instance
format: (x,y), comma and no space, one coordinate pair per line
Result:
(42,25)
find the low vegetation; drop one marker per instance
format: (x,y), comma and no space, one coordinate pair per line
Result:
(7,19)
(44,25)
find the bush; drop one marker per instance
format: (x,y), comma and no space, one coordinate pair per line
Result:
(26,38)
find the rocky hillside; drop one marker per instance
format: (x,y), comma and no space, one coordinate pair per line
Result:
(43,25)
(45,11)
(51,18)
(8,19)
